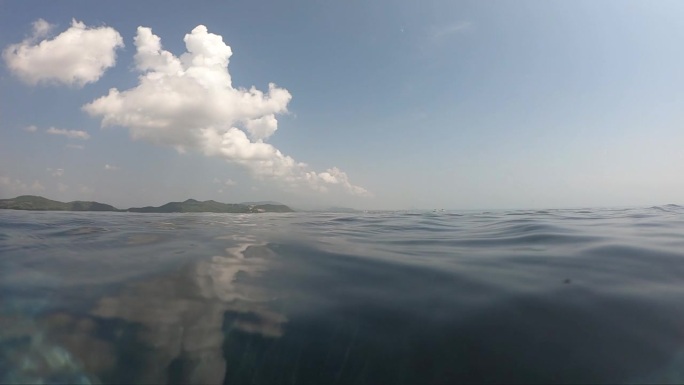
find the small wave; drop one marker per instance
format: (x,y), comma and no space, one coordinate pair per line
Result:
(86,230)
(141,239)
(346,219)
(669,208)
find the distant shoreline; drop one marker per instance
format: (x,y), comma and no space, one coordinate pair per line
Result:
(39,203)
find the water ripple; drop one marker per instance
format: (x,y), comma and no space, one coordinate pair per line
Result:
(526,296)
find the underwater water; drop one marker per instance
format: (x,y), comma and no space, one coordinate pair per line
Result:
(554,296)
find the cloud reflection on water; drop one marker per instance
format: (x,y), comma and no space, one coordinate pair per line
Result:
(174,322)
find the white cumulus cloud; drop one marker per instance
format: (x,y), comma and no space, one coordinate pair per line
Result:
(189,103)
(74,134)
(78,56)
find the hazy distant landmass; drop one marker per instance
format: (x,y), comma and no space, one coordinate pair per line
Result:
(194,206)
(32,202)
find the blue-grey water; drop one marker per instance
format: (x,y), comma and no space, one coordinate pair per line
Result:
(555,296)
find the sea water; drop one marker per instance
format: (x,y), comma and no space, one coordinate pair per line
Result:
(552,296)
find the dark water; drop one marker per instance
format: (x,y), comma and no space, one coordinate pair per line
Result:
(560,296)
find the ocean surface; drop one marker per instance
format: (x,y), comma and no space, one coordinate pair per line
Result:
(553,296)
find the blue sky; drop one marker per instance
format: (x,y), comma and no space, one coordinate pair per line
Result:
(393,105)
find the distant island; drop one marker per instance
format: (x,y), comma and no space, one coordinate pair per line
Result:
(32,202)
(193,206)
(38,203)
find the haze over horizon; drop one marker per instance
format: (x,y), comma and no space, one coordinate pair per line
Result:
(455,105)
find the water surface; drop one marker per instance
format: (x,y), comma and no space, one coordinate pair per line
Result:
(560,296)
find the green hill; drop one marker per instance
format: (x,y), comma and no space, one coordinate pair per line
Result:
(210,206)
(32,202)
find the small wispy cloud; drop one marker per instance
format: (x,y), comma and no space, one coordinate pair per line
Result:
(12,184)
(57,172)
(110,167)
(440,32)
(85,189)
(37,186)
(18,186)
(75,146)
(227,182)
(41,28)
(31,128)
(74,134)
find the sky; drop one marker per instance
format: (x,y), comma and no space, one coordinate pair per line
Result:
(364,104)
